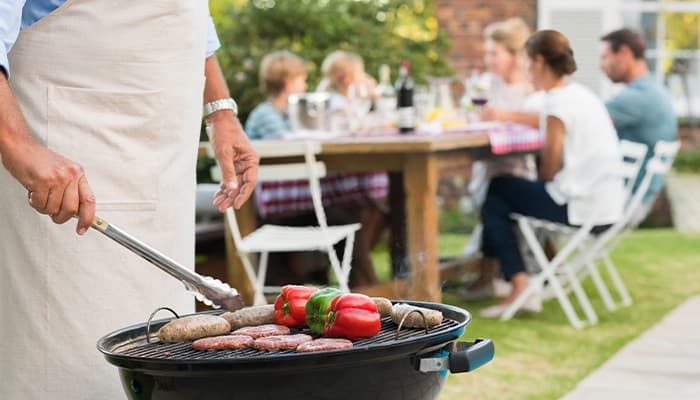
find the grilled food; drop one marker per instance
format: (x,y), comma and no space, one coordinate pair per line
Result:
(250,316)
(193,327)
(414,319)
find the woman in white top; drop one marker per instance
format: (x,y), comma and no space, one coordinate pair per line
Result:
(509,89)
(580,148)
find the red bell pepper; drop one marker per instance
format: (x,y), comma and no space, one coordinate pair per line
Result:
(352,316)
(290,305)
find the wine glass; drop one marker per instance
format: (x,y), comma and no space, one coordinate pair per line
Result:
(360,103)
(478,92)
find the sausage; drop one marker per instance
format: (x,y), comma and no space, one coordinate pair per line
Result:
(414,320)
(250,316)
(257,332)
(281,342)
(226,342)
(193,327)
(383,306)
(324,344)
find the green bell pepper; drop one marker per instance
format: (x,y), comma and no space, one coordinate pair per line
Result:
(317,306)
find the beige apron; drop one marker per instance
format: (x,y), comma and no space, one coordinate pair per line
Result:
(116,86)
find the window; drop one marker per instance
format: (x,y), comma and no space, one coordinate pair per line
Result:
(671,30)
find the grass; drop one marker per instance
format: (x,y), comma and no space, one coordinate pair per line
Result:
(543,357)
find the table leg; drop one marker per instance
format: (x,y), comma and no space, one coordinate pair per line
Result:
(235,273)
(397,239)
(420,185)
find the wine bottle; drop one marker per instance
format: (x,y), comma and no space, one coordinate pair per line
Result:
(404,100)
(386,98)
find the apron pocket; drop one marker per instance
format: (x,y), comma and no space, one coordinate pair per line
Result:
(115,136)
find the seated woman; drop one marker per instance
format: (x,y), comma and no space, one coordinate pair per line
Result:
(580,148)
(282,74)
(509,89)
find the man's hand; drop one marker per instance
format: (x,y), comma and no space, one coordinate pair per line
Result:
(237,158)
(55,185)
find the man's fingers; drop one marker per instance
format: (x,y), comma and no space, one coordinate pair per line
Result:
(54,200)
(37,199)
(228,173)
(69,205)
(243,195)
(86,210)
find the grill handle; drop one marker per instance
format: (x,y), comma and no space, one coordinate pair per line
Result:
(459,357)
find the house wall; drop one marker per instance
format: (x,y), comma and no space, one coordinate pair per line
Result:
(465,20)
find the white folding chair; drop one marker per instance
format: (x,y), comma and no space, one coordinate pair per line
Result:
(582,250)
(633,155)
(275,238)
(599,247)
(559,272)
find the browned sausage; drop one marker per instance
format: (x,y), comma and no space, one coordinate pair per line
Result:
(383,306)
(262,331)
(324,344)
(284,342)
(250,316)
(226,342)
(193,327)
(414,320)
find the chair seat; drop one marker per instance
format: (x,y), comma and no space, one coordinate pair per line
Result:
(548,225)
(275,238)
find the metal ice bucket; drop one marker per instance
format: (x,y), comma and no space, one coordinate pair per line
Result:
(310,111)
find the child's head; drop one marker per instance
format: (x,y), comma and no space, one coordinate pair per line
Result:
(341,68)
(282,72)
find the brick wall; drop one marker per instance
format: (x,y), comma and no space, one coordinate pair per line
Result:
(465,20)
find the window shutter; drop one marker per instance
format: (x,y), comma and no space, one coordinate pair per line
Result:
(583,28)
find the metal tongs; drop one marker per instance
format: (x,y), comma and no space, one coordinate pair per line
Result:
(206,289)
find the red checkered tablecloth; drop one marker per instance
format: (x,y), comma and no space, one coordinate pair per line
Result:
(281,198)
(512,138)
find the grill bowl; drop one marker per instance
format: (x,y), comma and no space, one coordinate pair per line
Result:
(382,367)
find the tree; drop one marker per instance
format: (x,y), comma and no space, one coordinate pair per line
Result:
(381,31)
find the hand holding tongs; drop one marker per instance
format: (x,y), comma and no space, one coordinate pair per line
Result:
(206,289)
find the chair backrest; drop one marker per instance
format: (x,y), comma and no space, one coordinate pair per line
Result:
(633,155)
(287,152)
(659,165)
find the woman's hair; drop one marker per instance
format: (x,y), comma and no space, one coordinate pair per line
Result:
(276,68)
(510,33)
(555,49)
(338,65)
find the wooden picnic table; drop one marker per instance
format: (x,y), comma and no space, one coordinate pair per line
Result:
(415,163)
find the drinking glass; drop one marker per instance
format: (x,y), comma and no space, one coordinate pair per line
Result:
(360,102)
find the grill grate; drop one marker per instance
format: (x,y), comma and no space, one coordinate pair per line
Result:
(183,351)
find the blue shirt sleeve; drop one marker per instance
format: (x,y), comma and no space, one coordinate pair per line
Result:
(265,122)
(10,21)
(625,108)
(213,43)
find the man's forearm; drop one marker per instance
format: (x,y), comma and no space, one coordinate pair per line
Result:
(215,87)
(13,129)
(531,119)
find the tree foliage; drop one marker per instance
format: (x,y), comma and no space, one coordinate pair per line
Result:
(381,31)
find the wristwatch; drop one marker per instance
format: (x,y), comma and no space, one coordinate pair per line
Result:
(223,104)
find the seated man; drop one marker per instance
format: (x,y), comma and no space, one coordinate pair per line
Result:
(642,112)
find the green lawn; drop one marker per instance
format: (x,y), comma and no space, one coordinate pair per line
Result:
(543,357)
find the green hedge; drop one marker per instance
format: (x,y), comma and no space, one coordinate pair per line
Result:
(687,161)
(381,31)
